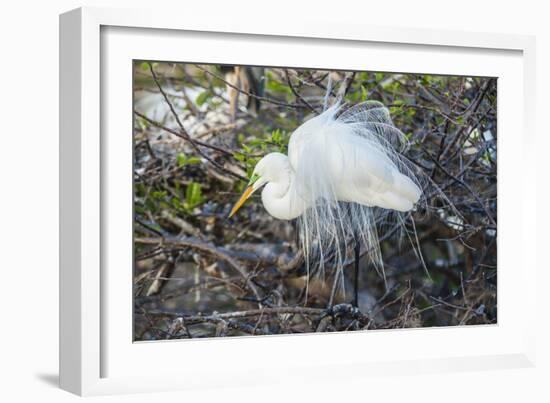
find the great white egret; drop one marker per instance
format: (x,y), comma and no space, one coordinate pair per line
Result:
(344,175)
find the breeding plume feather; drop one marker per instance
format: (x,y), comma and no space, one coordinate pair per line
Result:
(345,179)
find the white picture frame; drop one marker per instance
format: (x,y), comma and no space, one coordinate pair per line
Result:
(96,354)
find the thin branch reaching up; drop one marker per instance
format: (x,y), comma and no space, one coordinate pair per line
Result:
(264,99)
(185,134)
(297,94)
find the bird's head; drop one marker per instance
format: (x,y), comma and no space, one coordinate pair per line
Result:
(269,169)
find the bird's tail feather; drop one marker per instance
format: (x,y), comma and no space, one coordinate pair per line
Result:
(329,228)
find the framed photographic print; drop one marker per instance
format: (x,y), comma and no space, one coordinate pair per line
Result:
(231,191)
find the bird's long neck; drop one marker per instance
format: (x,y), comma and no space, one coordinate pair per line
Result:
(280,198)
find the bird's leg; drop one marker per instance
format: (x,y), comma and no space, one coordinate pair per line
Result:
(356,266)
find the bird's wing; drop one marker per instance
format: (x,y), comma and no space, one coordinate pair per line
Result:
(333,161)
(344,164)
(370,177)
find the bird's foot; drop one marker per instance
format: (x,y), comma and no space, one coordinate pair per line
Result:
(343,310)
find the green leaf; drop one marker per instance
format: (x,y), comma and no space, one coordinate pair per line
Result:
(181,159)
(239,156)
(256,142)
(203,97)
(193,195)
(176,203)
(139,189)
(276,136)
(159,194)
(193,160)
(276,86)
(364,93)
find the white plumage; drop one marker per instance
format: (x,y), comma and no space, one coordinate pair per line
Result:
(333,158)
(343,176)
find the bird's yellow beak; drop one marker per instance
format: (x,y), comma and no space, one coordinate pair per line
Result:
(249,190)
(253,185)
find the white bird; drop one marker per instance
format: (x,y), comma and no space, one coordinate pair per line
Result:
(343,175)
